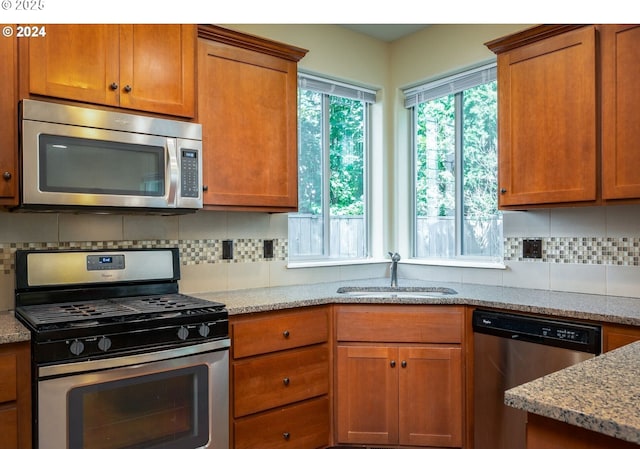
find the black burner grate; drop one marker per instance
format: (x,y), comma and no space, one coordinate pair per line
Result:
(43,314)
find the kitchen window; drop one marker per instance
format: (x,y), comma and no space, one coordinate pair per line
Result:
(455,204)
(333,141)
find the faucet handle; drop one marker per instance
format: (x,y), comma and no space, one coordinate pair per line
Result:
(395,257)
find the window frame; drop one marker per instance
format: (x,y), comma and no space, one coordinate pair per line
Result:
(327,87)
(453,85)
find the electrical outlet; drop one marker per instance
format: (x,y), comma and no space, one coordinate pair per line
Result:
(532,249)
(227,249)
(267,249)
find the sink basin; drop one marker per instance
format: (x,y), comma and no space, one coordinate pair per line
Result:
(398,292)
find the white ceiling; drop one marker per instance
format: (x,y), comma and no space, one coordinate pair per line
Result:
(386,32)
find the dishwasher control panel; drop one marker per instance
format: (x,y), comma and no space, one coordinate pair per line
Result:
(560,333)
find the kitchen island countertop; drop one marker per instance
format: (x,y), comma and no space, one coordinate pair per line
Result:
(600,394)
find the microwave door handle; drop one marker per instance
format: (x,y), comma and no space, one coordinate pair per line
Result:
(172,171)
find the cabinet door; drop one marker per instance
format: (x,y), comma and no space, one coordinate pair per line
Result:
(157,68)
(77,62)
(8,121)
(248,111)
(367,394)
(620,55)
(430,398)
(547,121)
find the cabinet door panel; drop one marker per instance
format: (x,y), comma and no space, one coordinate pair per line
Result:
(77,62)
(620,94)
(158,63)
(430,398)
(367,394)
(8,121)
(248,109)
(547,112)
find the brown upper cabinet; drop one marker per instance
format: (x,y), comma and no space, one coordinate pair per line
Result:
(247,105)
(566,117)
(143,67)
(8,122)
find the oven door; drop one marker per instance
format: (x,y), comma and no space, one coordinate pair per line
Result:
(174,399)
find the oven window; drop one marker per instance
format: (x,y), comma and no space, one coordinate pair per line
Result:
(76,165)
(167,410)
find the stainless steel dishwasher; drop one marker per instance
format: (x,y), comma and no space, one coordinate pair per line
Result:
(512,349)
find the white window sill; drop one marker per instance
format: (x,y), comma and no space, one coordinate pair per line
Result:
(459,263)
(334,262)
(456,263)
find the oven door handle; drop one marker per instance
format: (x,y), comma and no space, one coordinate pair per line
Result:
(129,360)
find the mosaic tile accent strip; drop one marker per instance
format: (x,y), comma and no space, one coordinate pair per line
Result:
(192,252)
(621,251)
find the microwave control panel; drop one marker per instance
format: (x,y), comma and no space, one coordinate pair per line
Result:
(189,170)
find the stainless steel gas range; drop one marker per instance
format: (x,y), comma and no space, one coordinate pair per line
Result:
(120,358)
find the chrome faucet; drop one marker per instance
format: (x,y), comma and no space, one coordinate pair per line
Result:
(395,258)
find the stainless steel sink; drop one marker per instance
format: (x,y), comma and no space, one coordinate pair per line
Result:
(398,292)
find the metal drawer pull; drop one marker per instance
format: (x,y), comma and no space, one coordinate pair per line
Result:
(393,364)
(403,363)
(286,381)
(286,435)
(286,334)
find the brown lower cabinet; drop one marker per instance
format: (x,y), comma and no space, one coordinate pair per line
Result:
(15,396)
(399,375)
(546,433)
(280,379)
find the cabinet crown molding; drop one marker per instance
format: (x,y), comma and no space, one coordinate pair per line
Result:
(527,36)
(251,42)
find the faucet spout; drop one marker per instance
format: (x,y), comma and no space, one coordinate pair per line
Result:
(395,258)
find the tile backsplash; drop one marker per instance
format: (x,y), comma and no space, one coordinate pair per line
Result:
(588,250)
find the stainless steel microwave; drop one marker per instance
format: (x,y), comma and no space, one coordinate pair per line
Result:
(88,159)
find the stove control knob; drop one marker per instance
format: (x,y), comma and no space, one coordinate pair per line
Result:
(183,333)
(104,344)
(204,330)
(76,347)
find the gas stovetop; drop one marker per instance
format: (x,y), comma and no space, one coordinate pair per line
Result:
(82,305)
(91,313)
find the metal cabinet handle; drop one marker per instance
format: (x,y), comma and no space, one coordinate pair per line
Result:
(113,86)
(286,436)
(6,176)
(127,88)
(403,364)
(205,188)
(286,381)
(286,334)
(393,364)
(503,190)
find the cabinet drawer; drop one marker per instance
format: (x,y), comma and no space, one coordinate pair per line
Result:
(400,324)
(274,380)
(302,426)
(8,379)
(278,331)
(9,427)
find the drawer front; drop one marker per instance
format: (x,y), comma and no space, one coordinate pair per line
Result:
(8,366)
(278,331)
(302,426)
(400,324)
(9,428)
(279,379)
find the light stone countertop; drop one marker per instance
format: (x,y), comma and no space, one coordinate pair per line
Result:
(611,309)
(601,394)
(11,330)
